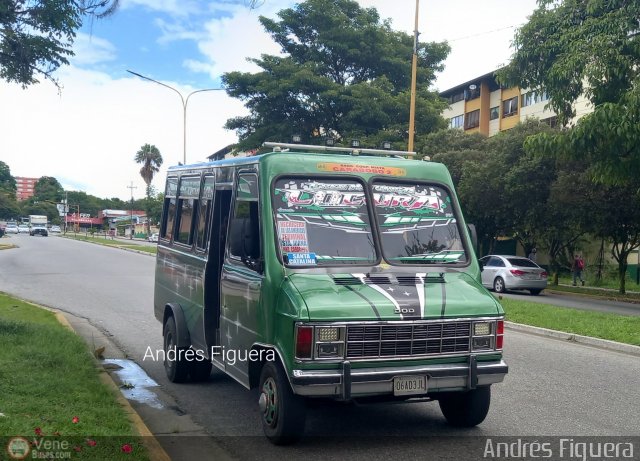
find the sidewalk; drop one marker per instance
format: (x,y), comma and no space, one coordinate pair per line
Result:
(587,288)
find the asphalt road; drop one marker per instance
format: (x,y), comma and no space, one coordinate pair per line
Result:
(553,388)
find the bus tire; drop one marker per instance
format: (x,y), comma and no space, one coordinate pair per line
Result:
(466,409)
(283,413)
(175,365)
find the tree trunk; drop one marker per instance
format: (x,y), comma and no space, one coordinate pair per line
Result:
(600,262)
(622,273)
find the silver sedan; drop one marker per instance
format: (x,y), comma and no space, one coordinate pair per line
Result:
(503,272)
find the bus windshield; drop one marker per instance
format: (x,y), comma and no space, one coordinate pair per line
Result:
(323,222)
(417,224)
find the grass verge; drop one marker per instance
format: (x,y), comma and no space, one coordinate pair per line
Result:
(101,240)
(51,391)
(601,293)
(620,328)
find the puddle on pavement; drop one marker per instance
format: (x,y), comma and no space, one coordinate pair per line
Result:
(131,375)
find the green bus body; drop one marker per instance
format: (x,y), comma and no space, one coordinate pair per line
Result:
(238,285)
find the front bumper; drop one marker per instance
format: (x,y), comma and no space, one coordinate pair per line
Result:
(348,383)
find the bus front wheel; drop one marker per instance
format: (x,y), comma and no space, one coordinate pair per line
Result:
(283,412)
(466,409)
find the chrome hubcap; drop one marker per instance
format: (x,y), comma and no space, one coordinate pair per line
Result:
(269,402)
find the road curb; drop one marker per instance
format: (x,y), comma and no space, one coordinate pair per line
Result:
(155,450)
(587,340)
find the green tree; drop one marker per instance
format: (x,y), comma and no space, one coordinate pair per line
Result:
(151,159)
(7,182)
(9,208)
(47,188)
(562,225)
(455,149)
(571,48)
(615,217)
(343,73)
(36,36)
(505,192)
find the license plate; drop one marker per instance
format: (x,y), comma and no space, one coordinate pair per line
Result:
(409,385)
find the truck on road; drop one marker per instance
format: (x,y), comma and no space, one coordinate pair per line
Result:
(36,220)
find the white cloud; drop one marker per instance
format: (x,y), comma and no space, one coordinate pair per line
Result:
(173,7)
(231,40)
(173,31)
(479,32)
(90,133)
(90,49)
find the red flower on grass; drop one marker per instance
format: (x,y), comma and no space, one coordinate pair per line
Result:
(38,431)
(75,420)
(126,448)
(91,443)
(78,448)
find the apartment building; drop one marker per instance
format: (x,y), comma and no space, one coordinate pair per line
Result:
(24,187)
(482,105)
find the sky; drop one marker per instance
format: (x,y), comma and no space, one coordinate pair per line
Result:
(86,135)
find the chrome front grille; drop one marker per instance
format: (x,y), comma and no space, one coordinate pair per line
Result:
(408,340)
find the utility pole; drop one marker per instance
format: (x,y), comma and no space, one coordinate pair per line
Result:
(131,211)
(414,70)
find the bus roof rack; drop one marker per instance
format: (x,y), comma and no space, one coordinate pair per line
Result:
(288,147)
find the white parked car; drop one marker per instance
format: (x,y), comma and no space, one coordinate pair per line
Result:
(55,229)
(12,228)
(502,273)
(153,238)
(23,229)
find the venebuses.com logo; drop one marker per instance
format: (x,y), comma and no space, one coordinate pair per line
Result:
(18,448)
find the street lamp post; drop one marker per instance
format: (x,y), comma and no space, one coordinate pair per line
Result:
(185,101)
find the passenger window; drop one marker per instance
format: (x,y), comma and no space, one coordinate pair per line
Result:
(244,229)
(169,208)
(206,207)
(187,210)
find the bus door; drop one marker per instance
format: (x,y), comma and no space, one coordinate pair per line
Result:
(241,279)
(217,244)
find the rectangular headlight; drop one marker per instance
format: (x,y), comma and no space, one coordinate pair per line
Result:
(483,344)
(481,329)
(329,350)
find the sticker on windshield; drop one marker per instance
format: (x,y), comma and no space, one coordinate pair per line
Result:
(417,224)
(323,221)
(302,259)
(293,237)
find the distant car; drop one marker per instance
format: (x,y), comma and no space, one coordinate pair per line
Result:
(502,273)
(39,230)
(55,229)
(23,229)
(11,228)
(153,238)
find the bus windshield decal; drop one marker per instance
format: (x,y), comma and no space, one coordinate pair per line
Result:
(323,222)
(417,224)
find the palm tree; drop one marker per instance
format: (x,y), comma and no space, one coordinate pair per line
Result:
(151,159)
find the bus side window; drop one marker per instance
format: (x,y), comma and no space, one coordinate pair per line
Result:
(204,217)
(244,228)
(169,208)
(186,216)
